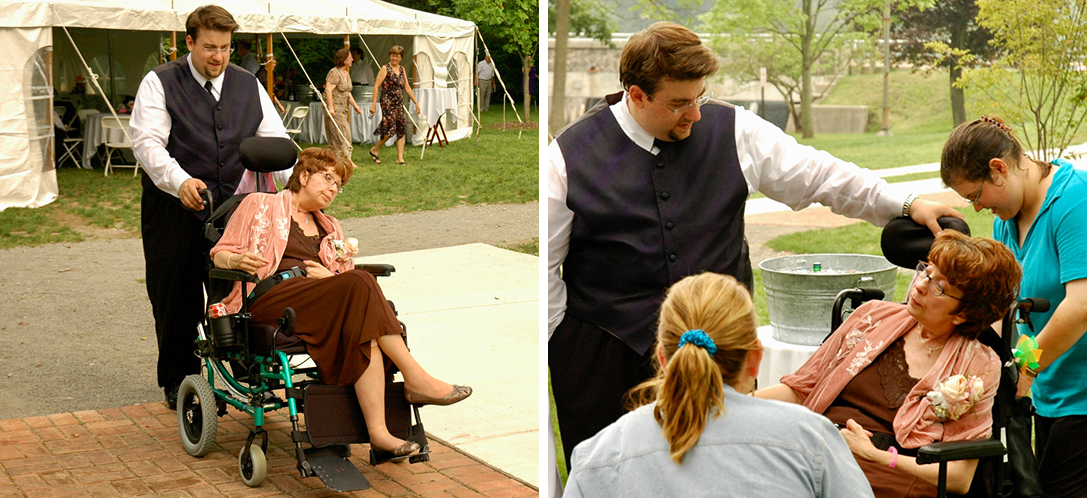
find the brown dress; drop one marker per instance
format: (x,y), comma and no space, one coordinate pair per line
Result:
(338,316)
(341,90)
(872,399)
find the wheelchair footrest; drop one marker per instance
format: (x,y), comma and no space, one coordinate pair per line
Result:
(338,473)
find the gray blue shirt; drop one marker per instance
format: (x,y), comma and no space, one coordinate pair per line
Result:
(755,447)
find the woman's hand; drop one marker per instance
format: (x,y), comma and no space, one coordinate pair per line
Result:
(1023,389)
(859,440)
(358,110)
(331,111)
(373,108)
(247,262)
(317,270)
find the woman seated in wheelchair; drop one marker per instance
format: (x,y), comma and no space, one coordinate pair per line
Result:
(343,317)
(895,377)
(696,432)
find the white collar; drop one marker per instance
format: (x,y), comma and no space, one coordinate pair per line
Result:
(630,126)
(216,82)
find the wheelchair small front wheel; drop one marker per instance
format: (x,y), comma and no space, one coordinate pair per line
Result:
(196,415)
(255,468)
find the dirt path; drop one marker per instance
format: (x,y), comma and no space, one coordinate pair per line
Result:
(76,331)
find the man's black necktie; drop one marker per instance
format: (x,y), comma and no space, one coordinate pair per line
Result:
(207,86)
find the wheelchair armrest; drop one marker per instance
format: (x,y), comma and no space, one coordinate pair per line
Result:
(235,275)
(959,450)
(377,270)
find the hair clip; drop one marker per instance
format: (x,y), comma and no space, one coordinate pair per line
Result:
(1003,127)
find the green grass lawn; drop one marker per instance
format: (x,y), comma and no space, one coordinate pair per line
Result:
(498,168)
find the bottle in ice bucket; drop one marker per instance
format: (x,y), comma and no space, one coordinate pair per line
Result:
(817,267)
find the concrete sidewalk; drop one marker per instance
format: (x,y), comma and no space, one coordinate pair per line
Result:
(472,317)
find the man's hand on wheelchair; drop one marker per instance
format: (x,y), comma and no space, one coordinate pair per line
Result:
(189,193)
(317,270)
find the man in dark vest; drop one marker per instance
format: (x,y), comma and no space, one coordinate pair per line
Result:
(649,187)
(189,118)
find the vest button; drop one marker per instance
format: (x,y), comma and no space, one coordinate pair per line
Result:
(672,258)
(221,164)
(220,127)
(664,195)
(660,165)
(669,225)
(218,108)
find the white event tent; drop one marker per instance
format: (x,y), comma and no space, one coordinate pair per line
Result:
(124,38)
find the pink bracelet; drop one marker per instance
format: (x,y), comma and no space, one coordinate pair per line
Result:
(894,457)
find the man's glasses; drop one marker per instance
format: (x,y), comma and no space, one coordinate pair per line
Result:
(698,103)
(333,183)
(933,286)
(217,50)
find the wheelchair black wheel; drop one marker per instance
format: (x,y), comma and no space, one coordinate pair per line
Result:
(196,415)
(255,468)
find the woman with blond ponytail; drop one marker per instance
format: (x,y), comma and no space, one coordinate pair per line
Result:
(695,432)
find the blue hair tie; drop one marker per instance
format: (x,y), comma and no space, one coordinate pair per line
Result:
(700,339)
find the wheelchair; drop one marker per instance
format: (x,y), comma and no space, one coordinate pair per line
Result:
(245,363)
(996,476)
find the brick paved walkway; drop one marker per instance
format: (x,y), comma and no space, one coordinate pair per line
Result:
(136,451)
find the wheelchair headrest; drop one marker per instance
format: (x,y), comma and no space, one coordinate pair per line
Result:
(905,242)
(267,154)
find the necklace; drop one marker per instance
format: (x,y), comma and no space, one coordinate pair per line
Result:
(305,220)
(921,334)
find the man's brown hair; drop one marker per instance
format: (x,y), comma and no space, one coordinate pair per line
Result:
(210,17)
(662,51)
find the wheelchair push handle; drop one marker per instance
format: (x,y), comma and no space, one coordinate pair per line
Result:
(208,202)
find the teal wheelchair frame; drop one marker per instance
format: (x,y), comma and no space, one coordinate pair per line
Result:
(260,359)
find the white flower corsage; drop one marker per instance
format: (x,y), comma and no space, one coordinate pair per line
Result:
(346,248)
(956,396)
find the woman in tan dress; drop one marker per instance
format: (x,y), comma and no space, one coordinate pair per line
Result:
(338,97)
(348,327)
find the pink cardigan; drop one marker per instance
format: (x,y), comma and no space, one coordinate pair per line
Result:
(261,225)
(863,336)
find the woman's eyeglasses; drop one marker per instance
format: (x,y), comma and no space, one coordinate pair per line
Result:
(933,286)
(333,183)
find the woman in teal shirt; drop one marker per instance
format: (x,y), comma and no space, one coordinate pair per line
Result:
(1041,211)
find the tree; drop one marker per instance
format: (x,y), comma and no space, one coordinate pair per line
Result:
(1040,83)
(582,18)
(511,26)
(514,24)
(588,18)
(814,31)
(950,22)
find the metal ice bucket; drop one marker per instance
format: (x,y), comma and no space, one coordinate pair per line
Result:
(800,299)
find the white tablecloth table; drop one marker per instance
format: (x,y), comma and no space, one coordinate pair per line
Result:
(362,125)
(435,103)
(94,135)
(779,358)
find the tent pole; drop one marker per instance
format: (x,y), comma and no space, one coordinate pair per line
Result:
(271,77)
(319,95)
(173,45)
(503,83)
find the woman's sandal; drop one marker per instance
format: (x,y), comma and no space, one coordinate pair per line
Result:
(374,157)
(401,162)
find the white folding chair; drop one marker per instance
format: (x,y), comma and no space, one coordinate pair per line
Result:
(294,123)
(121,123)
(73,146)
(287,108)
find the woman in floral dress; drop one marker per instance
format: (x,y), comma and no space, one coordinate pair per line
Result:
(390,86)
(338,97)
